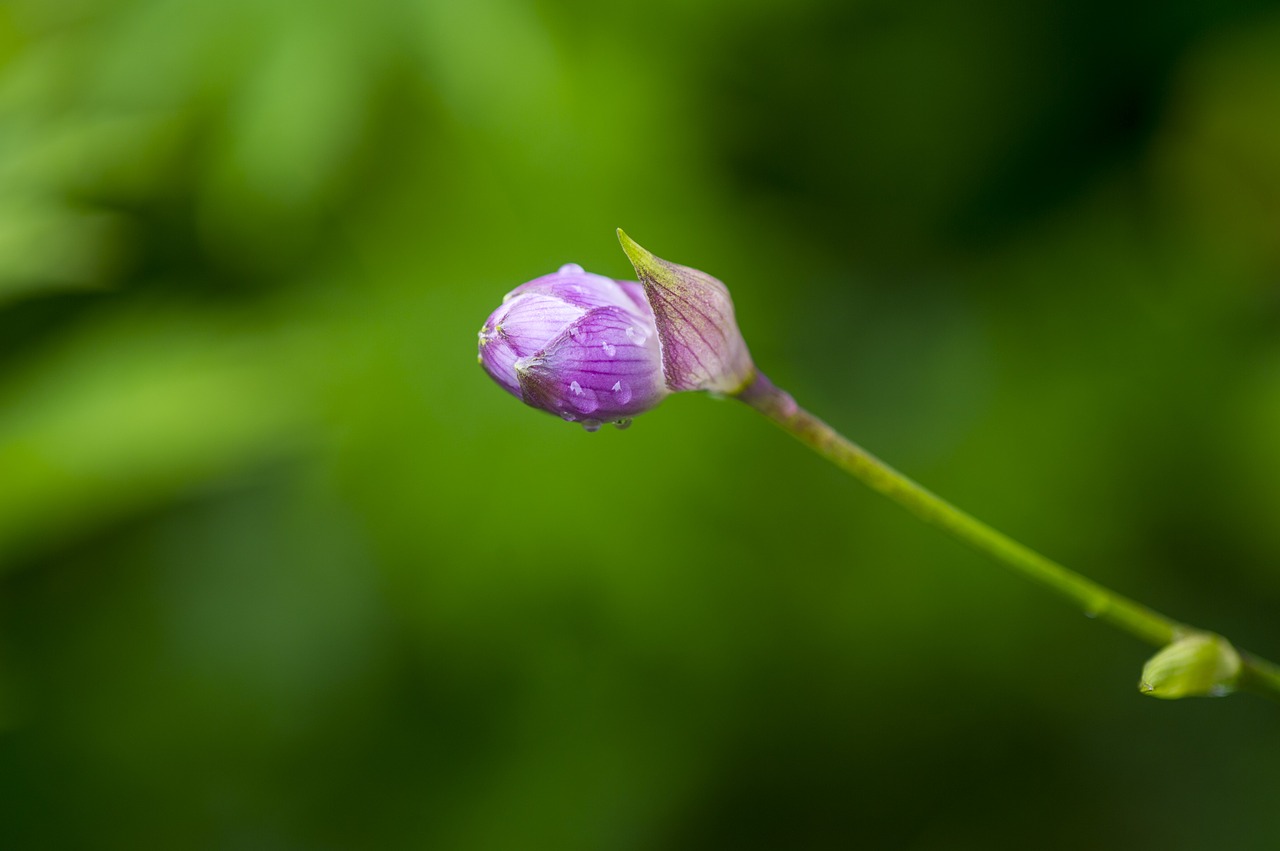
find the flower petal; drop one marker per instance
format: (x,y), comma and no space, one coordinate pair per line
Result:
(573,285)
(499,359)
(702,348)
(529,319)
(606,366)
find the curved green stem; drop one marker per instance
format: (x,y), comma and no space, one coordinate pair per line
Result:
(1093,599)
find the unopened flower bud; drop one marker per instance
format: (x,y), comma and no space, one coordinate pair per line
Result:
(580,346)
(702,348)
(1198,665)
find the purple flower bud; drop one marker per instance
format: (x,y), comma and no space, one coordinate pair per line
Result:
(702,348)
(581,346)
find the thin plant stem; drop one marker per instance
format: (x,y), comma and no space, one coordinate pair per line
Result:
(1093,599)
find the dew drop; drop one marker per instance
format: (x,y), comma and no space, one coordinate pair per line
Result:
(573,331)
(583,399)
(608,349)
(621,392)
(622,423)
(568,416)
(635,336)
(591,425)
(570,269)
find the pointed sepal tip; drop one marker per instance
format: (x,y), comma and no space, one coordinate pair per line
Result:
(702,348)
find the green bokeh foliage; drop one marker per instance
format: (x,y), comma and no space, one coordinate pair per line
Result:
(280,568)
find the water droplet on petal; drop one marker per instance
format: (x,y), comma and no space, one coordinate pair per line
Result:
(621,392)
(591,425)
(570,269)
(637,337)
(573,331)
(582,399)
(608,349)
(621,424)
(568,416)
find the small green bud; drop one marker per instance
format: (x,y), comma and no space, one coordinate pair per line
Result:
(1197,665)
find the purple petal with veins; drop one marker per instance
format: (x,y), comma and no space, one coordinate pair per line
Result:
(530,319)
(574,286)
(702,348)
(499,360)
(581,346)
(606,366)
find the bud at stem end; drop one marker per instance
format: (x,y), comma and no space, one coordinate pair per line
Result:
(1199,664)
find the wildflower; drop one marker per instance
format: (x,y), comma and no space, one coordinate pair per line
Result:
(581,346)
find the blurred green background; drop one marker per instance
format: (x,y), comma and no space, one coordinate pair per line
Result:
(280,568)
